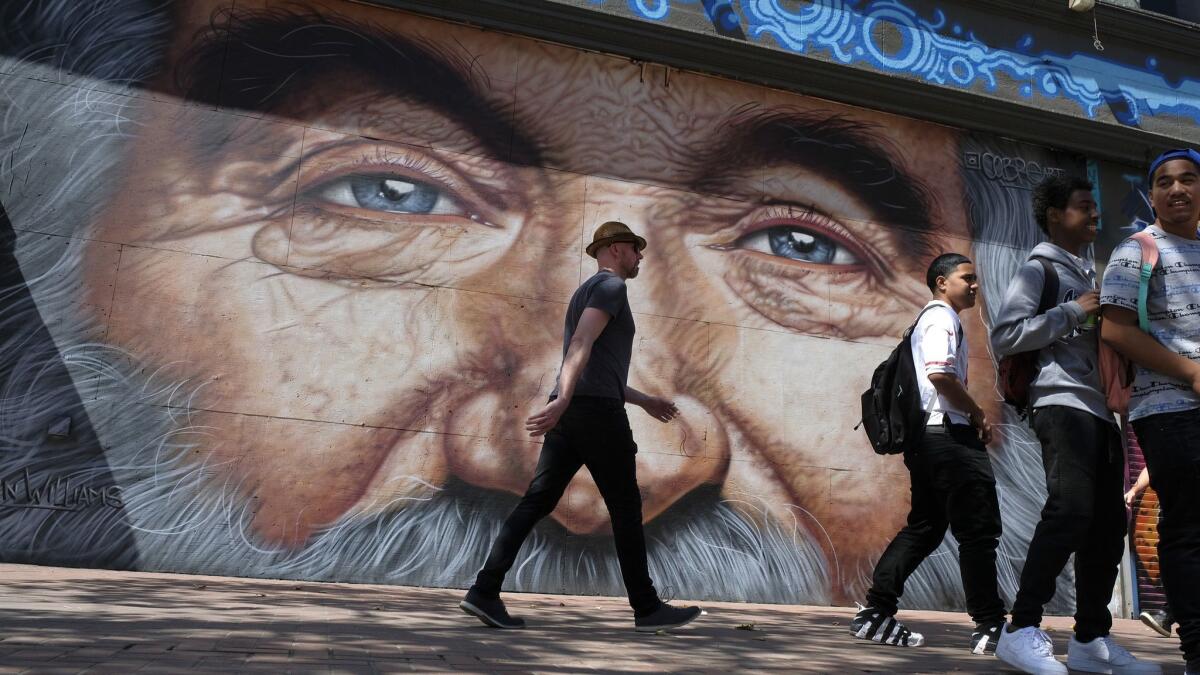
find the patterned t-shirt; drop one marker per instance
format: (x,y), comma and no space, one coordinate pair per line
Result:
(1173,308)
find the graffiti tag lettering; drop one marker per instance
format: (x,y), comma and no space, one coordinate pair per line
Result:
(1011,171)
(55,493)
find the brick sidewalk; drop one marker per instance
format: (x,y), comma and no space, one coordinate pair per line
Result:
(59,620)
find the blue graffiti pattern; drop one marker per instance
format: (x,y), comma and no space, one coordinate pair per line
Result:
(945,53)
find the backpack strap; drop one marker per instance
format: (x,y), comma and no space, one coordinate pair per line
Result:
(958,333)
(1149,260)
(1049,285)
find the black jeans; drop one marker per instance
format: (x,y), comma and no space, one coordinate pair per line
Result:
(1084,514)
(952,485)
(593,432)
(1171,444)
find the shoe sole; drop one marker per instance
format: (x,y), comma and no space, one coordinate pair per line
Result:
(1155,626)
(485,617)
(1032,669)
(1083,665)
(655,629)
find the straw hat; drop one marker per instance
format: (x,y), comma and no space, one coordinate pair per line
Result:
(610,233)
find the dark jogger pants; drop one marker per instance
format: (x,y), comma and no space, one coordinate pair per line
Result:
(1171,444)
(593,432)
(952,485)
(1084,514)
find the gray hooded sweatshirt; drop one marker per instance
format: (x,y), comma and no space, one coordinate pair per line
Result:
(1069,373)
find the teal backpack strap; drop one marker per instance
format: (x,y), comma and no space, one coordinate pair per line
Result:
(1149,260)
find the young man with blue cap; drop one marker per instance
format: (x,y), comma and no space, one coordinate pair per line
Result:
(1164,404)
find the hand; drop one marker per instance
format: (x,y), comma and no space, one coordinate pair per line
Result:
(544,420)
(1196,380)
(1090,302)
(1130,496)
(982,425)
(660,409)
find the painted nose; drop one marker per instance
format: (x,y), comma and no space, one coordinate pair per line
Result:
(673,459)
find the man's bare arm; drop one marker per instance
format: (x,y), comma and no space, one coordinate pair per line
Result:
(591,324)
(1120,331)
(659,408)
(951,388)
(1136,490)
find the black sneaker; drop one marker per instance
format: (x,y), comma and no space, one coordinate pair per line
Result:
(490,611)
(1158,621)
(877,626)
(985,637)
(665,617)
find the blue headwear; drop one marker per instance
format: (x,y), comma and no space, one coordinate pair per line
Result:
(1182,153)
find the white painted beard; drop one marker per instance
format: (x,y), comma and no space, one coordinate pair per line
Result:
(180,515)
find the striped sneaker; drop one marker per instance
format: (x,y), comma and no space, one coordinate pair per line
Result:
(872,624)
(985,636)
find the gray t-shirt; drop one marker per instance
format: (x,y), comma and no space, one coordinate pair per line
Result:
(1173,308)
(607,368)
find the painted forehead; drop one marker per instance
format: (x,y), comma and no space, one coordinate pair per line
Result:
(580,112)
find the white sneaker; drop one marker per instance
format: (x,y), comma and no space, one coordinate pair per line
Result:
(1029,650)
(1104,655)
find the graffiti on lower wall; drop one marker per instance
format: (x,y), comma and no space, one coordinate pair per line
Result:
(306,280)
(55,493)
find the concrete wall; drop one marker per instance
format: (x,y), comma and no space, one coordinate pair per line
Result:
(291,278)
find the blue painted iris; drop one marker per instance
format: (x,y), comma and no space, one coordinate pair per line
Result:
(388,193)
(797,244)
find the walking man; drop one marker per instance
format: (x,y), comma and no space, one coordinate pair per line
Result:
(951,475)
(585,425)
(1082,456)
(1164,403)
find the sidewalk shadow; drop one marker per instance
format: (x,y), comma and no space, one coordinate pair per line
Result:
(378,628)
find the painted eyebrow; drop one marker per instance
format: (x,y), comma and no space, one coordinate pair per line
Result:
(256,59)
(847,151)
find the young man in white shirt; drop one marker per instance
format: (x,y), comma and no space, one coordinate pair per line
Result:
(1164,403)
(952,481)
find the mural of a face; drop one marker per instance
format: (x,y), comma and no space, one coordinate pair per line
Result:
(355,268)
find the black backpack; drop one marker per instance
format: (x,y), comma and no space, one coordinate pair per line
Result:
(1015,373)
(892,414)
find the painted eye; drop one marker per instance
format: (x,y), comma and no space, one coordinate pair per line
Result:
(389,193)
(796,243)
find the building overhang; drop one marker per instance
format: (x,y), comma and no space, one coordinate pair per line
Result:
(1116,106)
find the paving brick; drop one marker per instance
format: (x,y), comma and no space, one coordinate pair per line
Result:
(73,620)
(117,666)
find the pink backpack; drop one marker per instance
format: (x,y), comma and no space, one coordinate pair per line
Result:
(1116,371)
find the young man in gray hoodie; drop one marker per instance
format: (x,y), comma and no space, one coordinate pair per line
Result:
(1081,447)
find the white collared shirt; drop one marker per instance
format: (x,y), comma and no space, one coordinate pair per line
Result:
(937,348)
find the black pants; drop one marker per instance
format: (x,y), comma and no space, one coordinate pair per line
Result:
(1084,514)
(593,432)
(952,485)
(1171,445)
